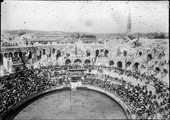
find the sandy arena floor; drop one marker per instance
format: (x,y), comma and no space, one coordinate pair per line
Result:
(84,104)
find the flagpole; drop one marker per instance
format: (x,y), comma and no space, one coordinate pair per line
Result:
(70,96)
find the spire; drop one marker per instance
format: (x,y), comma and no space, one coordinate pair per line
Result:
(129,25)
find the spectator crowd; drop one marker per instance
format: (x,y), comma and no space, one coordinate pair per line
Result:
(143,103)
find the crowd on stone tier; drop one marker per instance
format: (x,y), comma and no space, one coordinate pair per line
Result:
(142,102)
(137,75)
(17,86)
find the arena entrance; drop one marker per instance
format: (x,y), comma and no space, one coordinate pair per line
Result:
(76,76)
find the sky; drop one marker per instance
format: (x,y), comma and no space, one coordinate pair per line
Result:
(87,16)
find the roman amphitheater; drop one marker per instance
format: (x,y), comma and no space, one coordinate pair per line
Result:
(48,76)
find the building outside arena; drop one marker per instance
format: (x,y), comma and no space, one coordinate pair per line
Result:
(63,75)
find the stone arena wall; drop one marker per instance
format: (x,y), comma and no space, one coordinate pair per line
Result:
(15,109)
(113,97)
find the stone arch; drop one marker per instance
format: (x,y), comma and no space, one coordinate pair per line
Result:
(149,56)
(157,69)
(106,53)
(111,62)
(44,51)
(6,55)
(17,69)
(53,50)
(58,54)
(124,53)
(39,54)
(96,53)
(136,65)
(10,54)
(87,53)
(87,61)
(15,54)
(140,53)
(128,64)
(68,61)
(77,61)
(119,64)
(165,71)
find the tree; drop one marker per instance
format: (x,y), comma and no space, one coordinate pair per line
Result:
(21,33)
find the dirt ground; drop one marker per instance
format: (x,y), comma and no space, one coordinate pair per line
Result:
(83,104)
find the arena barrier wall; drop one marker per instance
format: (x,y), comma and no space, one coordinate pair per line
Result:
(16,108)
(113,97)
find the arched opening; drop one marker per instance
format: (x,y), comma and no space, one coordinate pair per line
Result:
(58,54)
(136,66)
(124,53)
(1,59)
(88,53)
(6,55)
(10,55)
(149,56)
(17,69)
(77,61)
(87,61)
(128,64)
(157,69)
(15,57)
(165,71)
(111,63)
(15,54)
(97,53)
(106,53)
(140,53)
(39,55)
(44,51)
(119,64)
(53,51)
(68,61)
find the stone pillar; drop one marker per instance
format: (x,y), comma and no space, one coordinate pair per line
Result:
(10,63)
(2,70)
(123,64)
